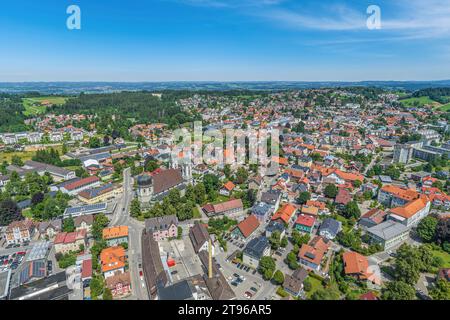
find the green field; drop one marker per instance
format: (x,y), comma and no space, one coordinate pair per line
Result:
(34,107)
(421,101)
(445,257)
(445,107)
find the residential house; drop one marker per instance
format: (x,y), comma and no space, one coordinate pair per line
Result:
(310,210)
(66,242)
(254,183)
(285,213)
(112,260)
(162,228)
(342,198)
(293,284)
(330,228)
(272,198)
(262,211)
(49,229)
(311,254)
(305,223)
(227,189)
(84,222)
(116,235)
(119,284)
(246,227)
(256,249)
(275,226)
(356,265)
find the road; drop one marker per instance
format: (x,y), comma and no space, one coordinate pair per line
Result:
(122,217)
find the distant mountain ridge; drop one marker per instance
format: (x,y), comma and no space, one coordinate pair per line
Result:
(104,87)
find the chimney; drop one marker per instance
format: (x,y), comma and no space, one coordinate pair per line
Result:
(210,275)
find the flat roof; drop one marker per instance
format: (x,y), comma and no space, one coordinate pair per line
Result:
(40,286)
(39,251)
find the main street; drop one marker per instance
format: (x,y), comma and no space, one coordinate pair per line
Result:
(122,217)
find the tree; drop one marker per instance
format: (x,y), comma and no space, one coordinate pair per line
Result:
(266,267)
(200,193)
(441,290)
(69,225)
(351,210)
(107,294)
(37,198)
(304,197)
(9,212)
(398,290)
(427,228)
(357,183)
(94,142)
(275,240)
(100,222)
(96,286)
(307,286)
(278,277)
(16,161)
(135,208)
(298,238)
(284,242)
(241,175)
(443,231)
(331,191)
(227,171)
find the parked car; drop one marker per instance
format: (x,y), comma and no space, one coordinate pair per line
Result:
(236,275)
(253,289)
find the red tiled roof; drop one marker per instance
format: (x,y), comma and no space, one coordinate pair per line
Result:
(82,182)
(248,225)
(305,220)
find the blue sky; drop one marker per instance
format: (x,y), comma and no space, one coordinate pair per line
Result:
(224,40)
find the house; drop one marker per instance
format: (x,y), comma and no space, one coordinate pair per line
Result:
(342,198)
(262,211)
(34,137)
(411,213)
(305,223)
(84,222)
(119,284)
(162,228)
(293,284)
(66,242)
(322,206)
(116,235)
(388,234)
(76,135)
(227,189)
(372,218)
(272,198)
(56,136)
(310,210)
(86,270)
(225,208)
(311,255)
(255,250)
(275,226)
(356,265)
(49,229)
(330,228)
(285,213)
(254,183)
(200,238)
(369,296)
(112,261)
(444,274)
(246,227)
(18,232)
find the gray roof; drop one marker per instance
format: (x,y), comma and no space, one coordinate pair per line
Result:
(56,224)
(270,197)
(255,248)
(261,209)
(178,291)
(388,229)
(161,223)
(294,282)
(330,225)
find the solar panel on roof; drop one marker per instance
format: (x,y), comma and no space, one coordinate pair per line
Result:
(310,255)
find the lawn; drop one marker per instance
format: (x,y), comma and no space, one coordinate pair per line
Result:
(315,285)
(34,107)
(197,213)
(445,257)
(445,107)
(24,155)
(421,101)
